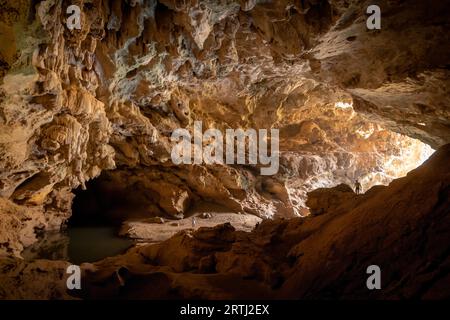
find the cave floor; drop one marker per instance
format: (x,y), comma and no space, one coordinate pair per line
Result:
(147,231)
(93,243)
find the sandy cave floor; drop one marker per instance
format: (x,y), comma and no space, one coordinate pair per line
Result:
(149,232)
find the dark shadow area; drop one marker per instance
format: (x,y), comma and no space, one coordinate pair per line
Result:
(111,199)
(93,227)
(95,206)
(92,231)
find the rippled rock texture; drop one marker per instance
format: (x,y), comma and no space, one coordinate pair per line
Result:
(102,102)
(75,103)
(403,228)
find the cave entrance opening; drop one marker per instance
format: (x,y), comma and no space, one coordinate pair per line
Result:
(365,154)
(91,234)
(96,206)
(93,229)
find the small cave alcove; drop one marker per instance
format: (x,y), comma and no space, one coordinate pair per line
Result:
(92,232)
(96,205)
(93,229)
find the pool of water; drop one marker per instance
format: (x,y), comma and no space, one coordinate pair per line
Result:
(89,244)
(78,245)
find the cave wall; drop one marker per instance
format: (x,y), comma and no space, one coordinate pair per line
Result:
(403,228)
(77,103)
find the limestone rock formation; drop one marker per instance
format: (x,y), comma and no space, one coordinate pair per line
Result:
(400,228)
(38,280)
(94,108)
(78,102)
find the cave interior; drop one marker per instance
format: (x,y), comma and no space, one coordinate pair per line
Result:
(97,103)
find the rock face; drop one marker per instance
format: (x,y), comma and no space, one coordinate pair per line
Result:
(401,228)
(38,280)
(102,102)
(75,103)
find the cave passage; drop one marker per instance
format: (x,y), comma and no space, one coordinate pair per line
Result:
(99,211)
(92,231)
(100,205)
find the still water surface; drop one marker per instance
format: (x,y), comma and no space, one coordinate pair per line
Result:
(78,245)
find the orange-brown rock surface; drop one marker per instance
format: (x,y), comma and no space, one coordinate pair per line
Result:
(95,108)
(403,228)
